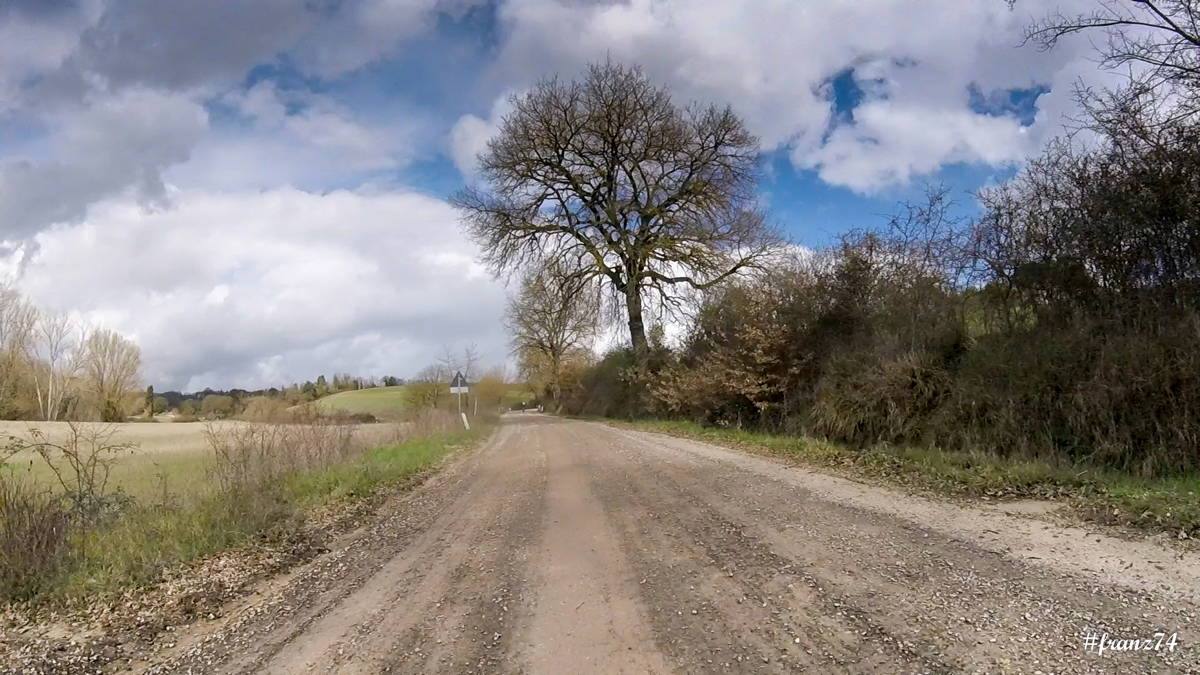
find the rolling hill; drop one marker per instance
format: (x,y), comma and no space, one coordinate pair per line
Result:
(378,401)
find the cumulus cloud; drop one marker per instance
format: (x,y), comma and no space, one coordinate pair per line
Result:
(264,288)
(295,138)
(101,97)
(774,63)
(202,44)
(362,32)
(470,135)
(37,37)
(223,180)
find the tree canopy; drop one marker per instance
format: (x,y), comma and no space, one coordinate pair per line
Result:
(608,176)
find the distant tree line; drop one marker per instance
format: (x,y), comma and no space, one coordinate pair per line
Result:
(226,403)
(54,367)
(489,388)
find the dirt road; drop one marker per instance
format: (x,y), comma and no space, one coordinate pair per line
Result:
(565,546)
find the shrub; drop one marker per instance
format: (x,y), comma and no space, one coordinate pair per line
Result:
(265,409)
(81,463)
(889,401)
(34,531)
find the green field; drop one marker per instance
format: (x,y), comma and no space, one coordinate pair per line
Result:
(378,401)
(391,402)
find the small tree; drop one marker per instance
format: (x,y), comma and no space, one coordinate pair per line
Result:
(217,406)
(111,363)
(17,321)
(426,388)
(611,178)
(553,315)
(56,356)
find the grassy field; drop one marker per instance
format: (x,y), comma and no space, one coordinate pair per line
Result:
(388,402)
(1170,505)
(177,453)
(150,538)
(181,511)
(174,456)
(382,402)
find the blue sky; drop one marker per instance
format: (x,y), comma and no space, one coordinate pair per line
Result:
(256,191)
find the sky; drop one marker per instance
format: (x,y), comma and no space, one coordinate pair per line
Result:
(256,191)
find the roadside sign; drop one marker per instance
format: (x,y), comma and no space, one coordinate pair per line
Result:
(459,384)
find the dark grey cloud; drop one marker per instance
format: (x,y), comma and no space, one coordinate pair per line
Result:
(182,44)
(121,143)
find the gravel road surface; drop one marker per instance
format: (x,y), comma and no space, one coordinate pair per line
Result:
(564,546)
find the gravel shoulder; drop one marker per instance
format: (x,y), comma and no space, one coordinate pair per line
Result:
(568,546)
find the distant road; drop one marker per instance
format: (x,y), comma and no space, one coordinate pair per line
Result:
(565,546)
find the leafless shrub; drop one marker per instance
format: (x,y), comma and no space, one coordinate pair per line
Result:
(251,455)
(81,463)
(426,422)
(889,401)
(34,530)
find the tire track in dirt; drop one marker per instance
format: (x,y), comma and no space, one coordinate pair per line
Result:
(723,599)
(586,612)
(909,585)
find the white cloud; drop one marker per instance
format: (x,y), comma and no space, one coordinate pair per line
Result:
(470,135)
(889,143)
(295,138)
(773,62)
(260,268)
(262,288)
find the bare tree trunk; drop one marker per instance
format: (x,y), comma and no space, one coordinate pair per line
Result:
(556,381)
(637,327)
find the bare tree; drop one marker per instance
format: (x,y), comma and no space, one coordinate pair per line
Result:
(17,317)
(426,387)
(56,355)
(111,363)
(554,314)
(467,362)
(470,362)
(611,177)
(1157,40)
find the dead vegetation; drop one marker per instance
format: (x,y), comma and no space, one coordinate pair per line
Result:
(80,533)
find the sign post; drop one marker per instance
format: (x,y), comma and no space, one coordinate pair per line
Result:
(459,386)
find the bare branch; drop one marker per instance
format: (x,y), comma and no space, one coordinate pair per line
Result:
(609,178)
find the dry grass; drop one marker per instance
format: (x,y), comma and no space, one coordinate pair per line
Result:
(173,457)
(247,483)
(1170,505)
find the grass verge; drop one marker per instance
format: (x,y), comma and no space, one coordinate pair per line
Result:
(1170,505)
(152,536)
